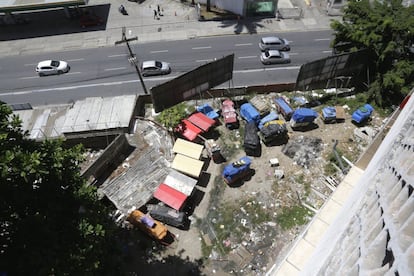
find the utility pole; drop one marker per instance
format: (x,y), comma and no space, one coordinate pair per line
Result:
(132,57)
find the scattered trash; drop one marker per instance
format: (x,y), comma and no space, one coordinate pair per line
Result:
(279,174)
(364,134)
(303,149)
(274,162)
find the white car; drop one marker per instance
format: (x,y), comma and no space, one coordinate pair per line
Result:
(274,43)
(155,67)
(274,57)
(52,67)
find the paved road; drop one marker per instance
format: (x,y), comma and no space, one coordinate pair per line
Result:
(106,72)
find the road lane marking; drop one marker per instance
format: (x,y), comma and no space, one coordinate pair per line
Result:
(266,69)
(114,69)
(76,59)
(248,71)
(64,88)
(293,54)
(152,79)
(118,55)
(322,39)
(160,51)
(73,73)
(204,60)
(283,68)
(30,64)
(200,48)
(248,57)
(327,51)
(26,78)
(243,44)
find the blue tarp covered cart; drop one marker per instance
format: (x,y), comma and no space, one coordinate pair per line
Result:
(249,113)
(207,110)
(303,117)
(284,108)
(270,117)
(362,114)
(329,114)
(332,114)
(236,170)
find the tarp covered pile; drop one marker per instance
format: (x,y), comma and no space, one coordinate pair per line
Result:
(249,113)
(274,131)
(303,117)
(234,171)
(362,114)
(333,114)
(251,139)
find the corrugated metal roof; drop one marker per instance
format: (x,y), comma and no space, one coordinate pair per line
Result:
(90,114)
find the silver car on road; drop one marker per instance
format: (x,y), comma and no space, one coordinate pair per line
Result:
(155,67)
(274,57)
(52,67)
(274,43)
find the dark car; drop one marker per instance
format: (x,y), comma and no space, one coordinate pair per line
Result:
(167,215)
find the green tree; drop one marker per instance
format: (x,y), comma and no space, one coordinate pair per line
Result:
(172,116)
(386,30)
(52,223)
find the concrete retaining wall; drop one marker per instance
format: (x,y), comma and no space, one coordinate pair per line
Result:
(109,160)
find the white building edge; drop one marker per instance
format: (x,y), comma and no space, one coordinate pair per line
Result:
(367,226)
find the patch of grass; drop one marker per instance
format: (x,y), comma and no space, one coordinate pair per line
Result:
(301,180)
(229,142)
(257,214)
(205,249)
(330,168)
(292,216)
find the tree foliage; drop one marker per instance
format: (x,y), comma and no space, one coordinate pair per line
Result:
(172,116)
(52,223)
(386,29)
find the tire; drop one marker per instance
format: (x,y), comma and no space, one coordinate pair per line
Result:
(41,75)
(60,72)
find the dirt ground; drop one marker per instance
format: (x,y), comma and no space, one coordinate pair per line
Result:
(238,229)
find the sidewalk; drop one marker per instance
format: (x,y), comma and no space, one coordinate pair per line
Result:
(179,21)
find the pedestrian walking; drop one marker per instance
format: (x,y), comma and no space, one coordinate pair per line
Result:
(158,9)
(155,14)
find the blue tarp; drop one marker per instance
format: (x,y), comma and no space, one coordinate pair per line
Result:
(329,113)
(249,113)
(304,115)
(270,117)
(207,110)
(362,113)
(300,100)
(284,108)
(233,170)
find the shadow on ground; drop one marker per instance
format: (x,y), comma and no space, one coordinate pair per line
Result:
(250,24)
(52,22)
(141,256)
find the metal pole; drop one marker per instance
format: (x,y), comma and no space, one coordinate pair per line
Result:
(133,58)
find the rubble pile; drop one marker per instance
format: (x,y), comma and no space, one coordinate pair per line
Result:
(303,149)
